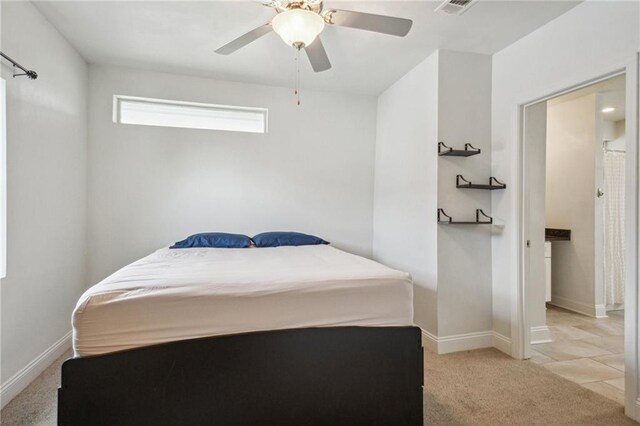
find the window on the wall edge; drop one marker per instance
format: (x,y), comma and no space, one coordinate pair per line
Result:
(188,115)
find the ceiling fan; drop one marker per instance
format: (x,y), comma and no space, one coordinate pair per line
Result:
(300,22)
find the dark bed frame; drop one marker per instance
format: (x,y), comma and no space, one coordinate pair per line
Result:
(312,376)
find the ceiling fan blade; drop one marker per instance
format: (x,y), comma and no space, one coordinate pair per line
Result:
(245,39)
(318,56)
(367,21)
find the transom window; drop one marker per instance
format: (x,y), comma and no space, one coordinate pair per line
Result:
(188,115)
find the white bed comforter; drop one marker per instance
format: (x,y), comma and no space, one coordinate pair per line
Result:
(182,294)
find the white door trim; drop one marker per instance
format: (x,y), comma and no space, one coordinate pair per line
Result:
(632,261)
(520,330)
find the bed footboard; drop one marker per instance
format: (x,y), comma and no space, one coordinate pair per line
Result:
(315,376)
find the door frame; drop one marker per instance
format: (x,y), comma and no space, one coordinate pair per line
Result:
(520,329)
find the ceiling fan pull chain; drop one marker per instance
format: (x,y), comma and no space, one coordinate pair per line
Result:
(297,90)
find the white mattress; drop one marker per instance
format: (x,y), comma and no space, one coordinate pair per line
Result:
(182,294)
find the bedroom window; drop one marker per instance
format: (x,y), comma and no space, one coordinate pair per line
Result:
(188,115)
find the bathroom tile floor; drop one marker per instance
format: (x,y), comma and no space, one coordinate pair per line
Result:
(585,350)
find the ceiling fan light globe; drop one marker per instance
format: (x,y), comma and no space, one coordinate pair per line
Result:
(298,26)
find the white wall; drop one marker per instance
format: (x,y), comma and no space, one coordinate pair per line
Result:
(615,135)
(150,186)
(608,130)
(46,175)
(464,251)
(563,53)
(571,201)
(451,265)
(406,184)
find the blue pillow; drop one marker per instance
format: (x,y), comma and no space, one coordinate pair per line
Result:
(277,239)
(214,239)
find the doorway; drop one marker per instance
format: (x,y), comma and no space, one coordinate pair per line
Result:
(573,217)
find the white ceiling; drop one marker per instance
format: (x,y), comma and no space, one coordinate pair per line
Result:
(181,37)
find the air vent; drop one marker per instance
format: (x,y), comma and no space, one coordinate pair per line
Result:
(455,7)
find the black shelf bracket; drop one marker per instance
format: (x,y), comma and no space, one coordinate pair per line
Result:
(493,184)
(443,213)
(485,216)
(32,75)
(481,219)
(468,151)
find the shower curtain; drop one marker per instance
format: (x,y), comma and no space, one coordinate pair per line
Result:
(614,228)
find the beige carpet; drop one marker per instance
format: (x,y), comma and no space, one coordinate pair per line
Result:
(486,387)
(37,404)
(483,387)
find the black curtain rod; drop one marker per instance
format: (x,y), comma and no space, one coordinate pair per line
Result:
(29,73)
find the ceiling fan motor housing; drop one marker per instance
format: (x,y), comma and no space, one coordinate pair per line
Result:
(311,5)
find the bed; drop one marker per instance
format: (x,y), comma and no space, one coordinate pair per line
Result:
(282,335)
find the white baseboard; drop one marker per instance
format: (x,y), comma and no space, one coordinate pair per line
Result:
(19,381)
(502,343)
(601,311)
(540,334)
(579,307)
(465,342)
(429,341)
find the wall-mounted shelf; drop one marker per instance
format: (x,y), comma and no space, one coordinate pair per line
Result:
(493,184)
(468,151)
(448,220)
